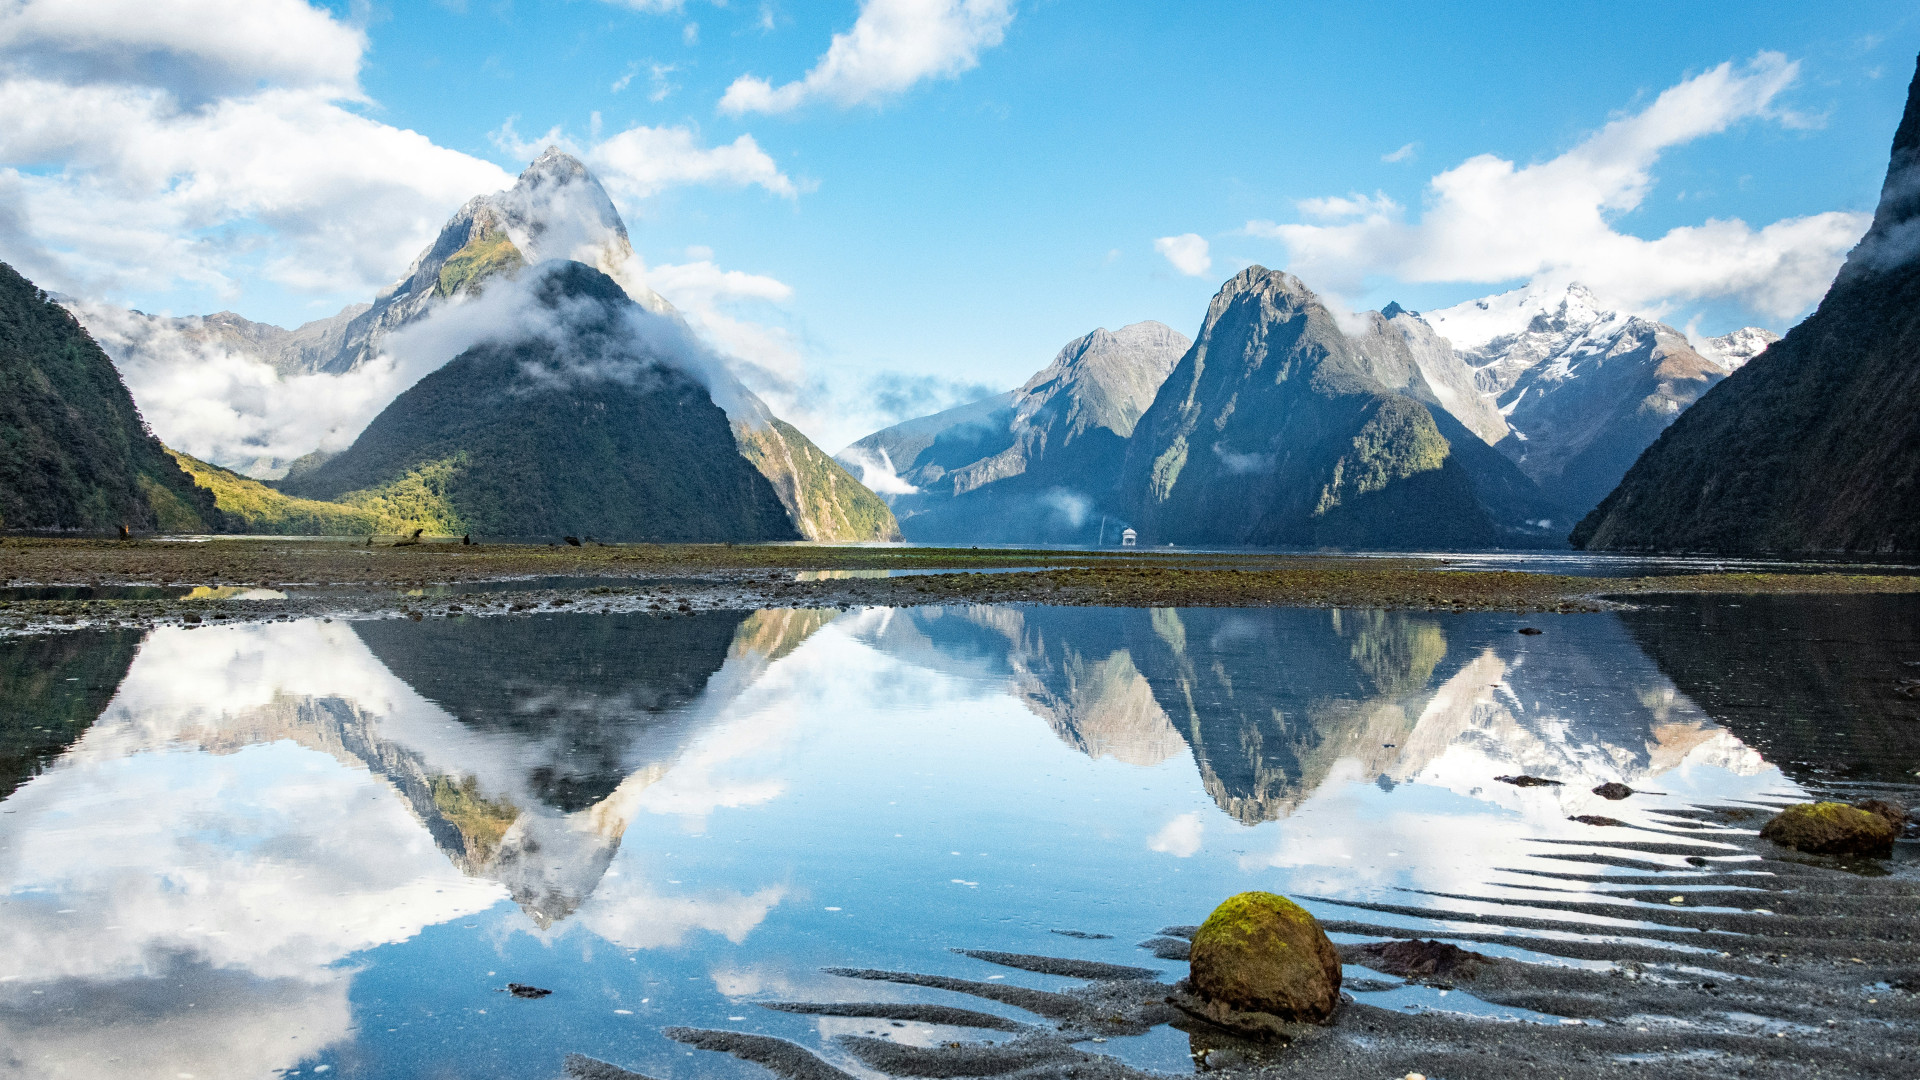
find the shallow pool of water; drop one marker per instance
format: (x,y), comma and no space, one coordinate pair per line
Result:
(326,848)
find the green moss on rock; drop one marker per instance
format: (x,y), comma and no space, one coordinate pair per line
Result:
(1832,828)
(1260,953)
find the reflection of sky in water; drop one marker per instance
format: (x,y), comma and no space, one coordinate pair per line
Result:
(310,843)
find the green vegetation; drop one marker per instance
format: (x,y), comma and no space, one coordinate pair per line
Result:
(52,689)
(533,439)
(419,498)
(824,500)
(74,453)
(1396,442)
(481,821)
(488,253)
(250,506)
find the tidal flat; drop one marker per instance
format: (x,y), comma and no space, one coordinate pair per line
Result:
(59,583)
(306,808)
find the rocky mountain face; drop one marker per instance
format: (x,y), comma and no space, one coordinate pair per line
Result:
(582,423)
(1583,390)
(1277,429)
(1731,351)
(556,210)
(1814,445)
(1036,465)
(74,452)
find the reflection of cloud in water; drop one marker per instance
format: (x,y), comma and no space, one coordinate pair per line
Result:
(1179,837)
(627,911)
(202,858)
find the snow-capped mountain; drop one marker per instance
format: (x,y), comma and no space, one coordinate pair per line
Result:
(1730,351)
(1584,389)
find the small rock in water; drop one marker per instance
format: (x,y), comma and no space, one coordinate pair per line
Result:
(1613,791)
(1528,781)
(1083,935)
(1259,962)
(1418,959)
(522,990)
(1596,819)
(1832,828)
(1531,630)
(1895,813)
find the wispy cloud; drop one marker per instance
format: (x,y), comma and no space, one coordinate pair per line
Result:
(892,45)
(1489,220)
(1405,153)
(1188,253)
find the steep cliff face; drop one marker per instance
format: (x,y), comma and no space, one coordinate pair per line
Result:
(1814,445)
(1277,429)
(74,453)
(1039,464)
(555,210)
(821,497)
(585,427)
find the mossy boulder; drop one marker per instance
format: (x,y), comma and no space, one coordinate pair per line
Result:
(1263,955)
(1832,828)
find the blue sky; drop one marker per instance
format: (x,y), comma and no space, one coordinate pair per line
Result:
(921,235)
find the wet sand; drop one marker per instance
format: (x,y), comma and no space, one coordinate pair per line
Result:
(338,579)
(1772,964)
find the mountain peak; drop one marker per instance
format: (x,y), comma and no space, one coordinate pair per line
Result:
(552,163)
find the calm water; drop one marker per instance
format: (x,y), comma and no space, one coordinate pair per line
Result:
(323,848)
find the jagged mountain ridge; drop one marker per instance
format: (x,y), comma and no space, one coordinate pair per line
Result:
(556,210)
(74,451)
(1277,429)
(594,430)
(1583,389)
(1037,464)
(1814,445)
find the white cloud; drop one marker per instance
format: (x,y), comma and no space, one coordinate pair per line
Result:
(1405,153)
(1335,208)
(876,471)
(1489,220)
(1180,837)
(192,48)
(642,160)
(893,45)
(1187,252)
(205,142)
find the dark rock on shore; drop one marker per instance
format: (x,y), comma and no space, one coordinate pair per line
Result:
(1613,791)
(1832,828)
(1420,960)
(1261,962)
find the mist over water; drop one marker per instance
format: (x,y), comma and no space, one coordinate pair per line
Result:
(253,849)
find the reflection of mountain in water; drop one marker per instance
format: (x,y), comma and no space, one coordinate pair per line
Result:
(1271,700)
(51,689)
(1813,682)
(521,745)
(586,699)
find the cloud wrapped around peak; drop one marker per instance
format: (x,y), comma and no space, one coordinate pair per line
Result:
(892,45)
(1488,220)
